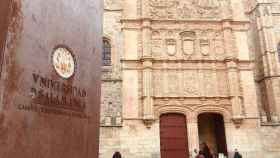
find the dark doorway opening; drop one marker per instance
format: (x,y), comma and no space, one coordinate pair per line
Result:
(211,131)
(173,136)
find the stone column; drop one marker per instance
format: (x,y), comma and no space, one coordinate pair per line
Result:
(269,59)
(232,69)
(193,137)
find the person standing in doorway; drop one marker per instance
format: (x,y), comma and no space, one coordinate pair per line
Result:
(237,154)
(206,151)
(117,155)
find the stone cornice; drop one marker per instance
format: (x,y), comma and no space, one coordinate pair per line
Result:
(243,65)
(207,21)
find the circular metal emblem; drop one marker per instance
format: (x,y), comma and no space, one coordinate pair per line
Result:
(63,62)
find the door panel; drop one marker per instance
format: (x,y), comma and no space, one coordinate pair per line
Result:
(173,136)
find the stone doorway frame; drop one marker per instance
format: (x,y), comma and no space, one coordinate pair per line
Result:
(192,113)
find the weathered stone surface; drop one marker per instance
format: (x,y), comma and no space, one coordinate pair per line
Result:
(193,57)
(42,114)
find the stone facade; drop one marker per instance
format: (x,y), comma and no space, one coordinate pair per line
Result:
(191,57)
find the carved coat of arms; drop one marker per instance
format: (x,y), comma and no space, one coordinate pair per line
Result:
(171,47)
(188,42)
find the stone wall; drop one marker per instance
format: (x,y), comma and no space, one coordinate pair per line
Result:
(111,94)
(133,140)
(111,103)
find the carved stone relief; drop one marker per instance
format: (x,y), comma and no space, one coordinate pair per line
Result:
(156,44)
(204,47)
(223,89)
(208,82)
(218,46)
(276,8)
(186,9)
(171,47)
(185,83)
(191,87)
(173,86)
(158,83)
(188,42)
(191,44)
(112,4)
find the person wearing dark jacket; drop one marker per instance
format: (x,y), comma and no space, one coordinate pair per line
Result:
(200,155)
(117,155)
(206,151)
(237,154)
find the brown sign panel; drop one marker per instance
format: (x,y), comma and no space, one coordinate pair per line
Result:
(50,78)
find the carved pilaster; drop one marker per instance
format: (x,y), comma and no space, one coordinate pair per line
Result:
(148,112)
(233,74)
(229,41)
(146,38)
(146,30)
(235,92)
(193,136)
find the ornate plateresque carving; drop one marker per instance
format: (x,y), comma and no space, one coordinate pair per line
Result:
(158,83)
(187,44)
(191,87)
(208,82)
(185,9)
(172,85)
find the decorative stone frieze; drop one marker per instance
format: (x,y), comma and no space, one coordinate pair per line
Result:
(186,9)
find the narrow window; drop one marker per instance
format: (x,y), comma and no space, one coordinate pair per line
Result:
(278,51)
(106,55)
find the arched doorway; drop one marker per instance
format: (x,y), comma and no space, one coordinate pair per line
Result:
(173,136)
(211,132)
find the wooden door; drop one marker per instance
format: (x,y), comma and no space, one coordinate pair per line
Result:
(173,136)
